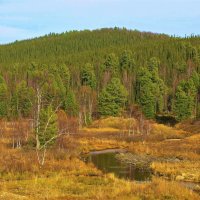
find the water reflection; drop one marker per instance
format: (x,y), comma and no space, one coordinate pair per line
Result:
(107,162)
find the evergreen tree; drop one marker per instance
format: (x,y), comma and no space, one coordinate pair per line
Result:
(146,93)
(64,73)
(184,102)
(88,77)
(127,63)
(22,100)
(112,98)
(71,105)
(111,65)
(181,105)
(3,98)
(196,80)
(128,72)
(150,89)
(153,65)
(53,91)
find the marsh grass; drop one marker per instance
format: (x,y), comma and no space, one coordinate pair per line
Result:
(85,187)
(181,171)
(64,176)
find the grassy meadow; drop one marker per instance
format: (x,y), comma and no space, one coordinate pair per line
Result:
(65,176)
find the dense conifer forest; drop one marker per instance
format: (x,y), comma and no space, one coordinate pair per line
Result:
(107,72)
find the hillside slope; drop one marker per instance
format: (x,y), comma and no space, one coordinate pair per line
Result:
(155,71)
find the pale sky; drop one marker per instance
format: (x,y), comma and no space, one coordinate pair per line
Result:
(23,19)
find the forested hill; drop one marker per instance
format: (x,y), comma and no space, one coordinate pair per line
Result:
(91,46)
(84,46)
(155,71)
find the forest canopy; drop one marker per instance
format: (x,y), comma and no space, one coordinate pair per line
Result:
(100,73)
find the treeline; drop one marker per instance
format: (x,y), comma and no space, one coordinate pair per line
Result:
(106,72)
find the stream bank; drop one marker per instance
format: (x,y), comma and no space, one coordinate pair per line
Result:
(126,165)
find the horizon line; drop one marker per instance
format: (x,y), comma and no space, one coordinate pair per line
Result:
(98,29)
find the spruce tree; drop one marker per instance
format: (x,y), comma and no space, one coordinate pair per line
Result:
(146,96)
(181,105)
(3,100)
(127,63)
(22,100)
(112,99)
(128,72)
(184,103)
(64,73)
(88,77)
(111,65)
(71,105)
(150,89)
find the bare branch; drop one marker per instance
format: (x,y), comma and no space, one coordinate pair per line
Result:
(56,136)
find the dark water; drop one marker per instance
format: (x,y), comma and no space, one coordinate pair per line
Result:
(107,162)
(167,120)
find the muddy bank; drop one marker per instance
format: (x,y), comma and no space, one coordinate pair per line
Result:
(142,160)
(145,162)
(108,151)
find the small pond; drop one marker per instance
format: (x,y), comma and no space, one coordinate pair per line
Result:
(107,162)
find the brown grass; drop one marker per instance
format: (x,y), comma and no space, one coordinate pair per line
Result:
(100,144)
(190,126)
(185,171)
(113,122)
(100,130)
(65,176)
(108,187)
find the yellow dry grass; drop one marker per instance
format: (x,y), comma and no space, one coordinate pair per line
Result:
(185,171)
(64,176)
(168,131)
(100,144)
(100,130)
(120,124)
(194,138)
(93,188)
(114,122)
